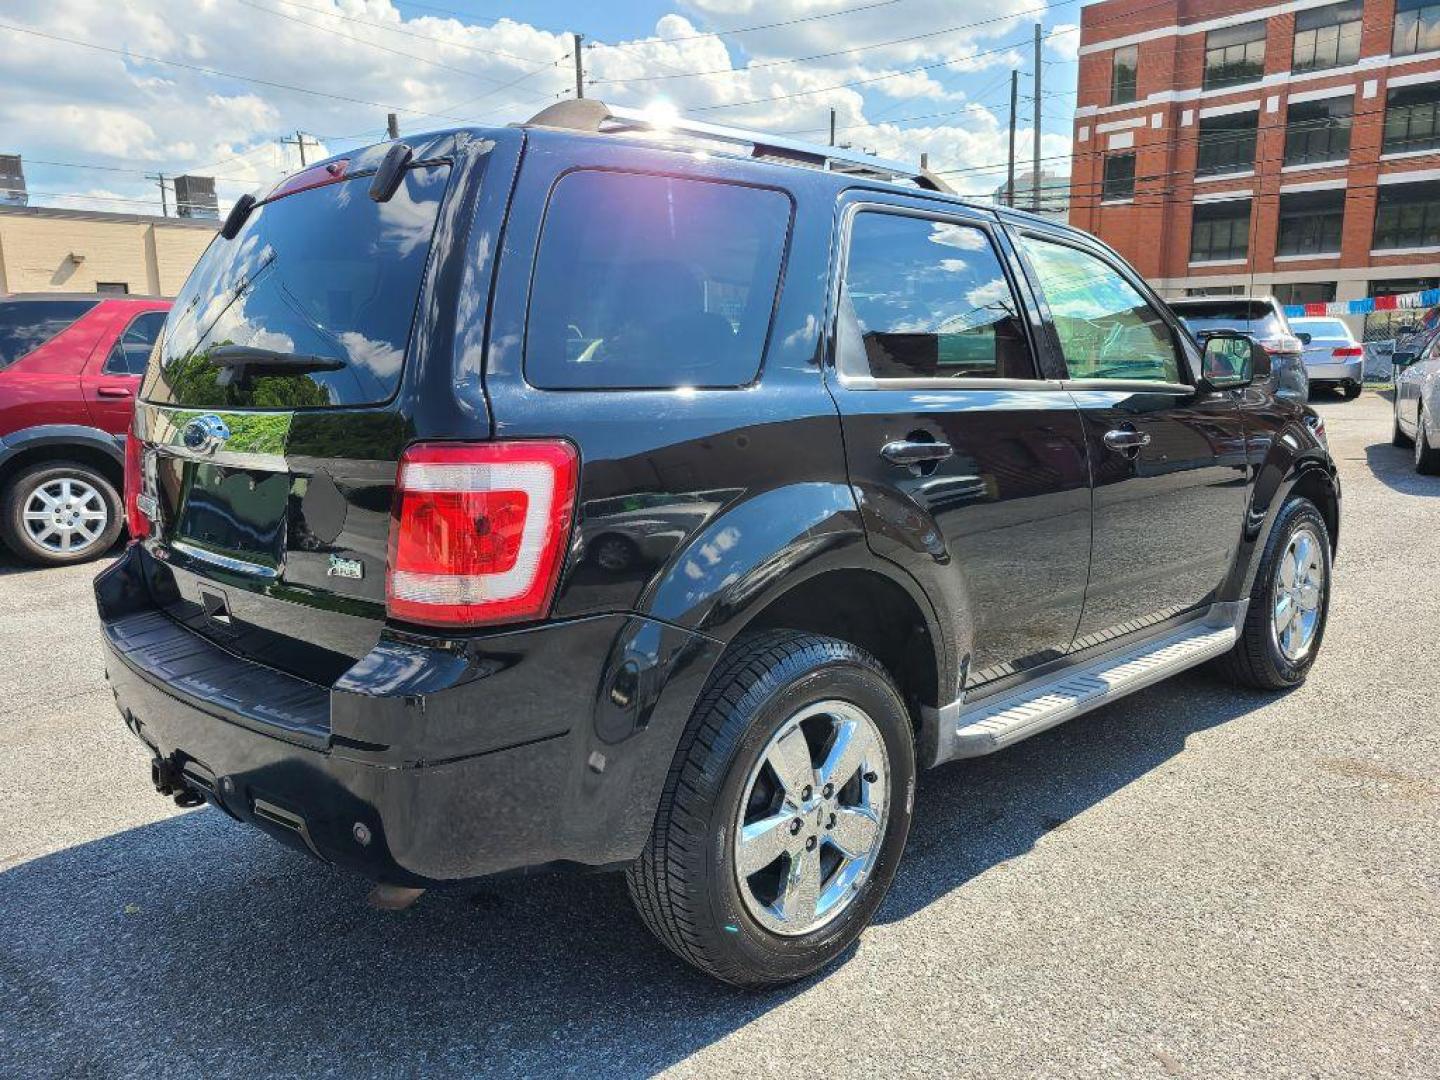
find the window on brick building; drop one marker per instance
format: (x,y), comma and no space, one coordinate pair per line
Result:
(1327,37)
(1119,176)
(1216,290)
(1123,68)
(1311,222)
(1408,215)
(1417,27)
(1318,130)
(1412,118)
(1235,54)
(1226,143)
(1304,292)
(1220,230)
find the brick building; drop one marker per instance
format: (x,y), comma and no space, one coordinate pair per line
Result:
(45,249)
(1293,148)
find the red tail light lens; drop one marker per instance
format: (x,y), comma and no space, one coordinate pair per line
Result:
(136,520)
(1350,351)
(480,531)
(313,177)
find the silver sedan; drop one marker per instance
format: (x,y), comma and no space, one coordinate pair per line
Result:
(1417,405)
(1332,355)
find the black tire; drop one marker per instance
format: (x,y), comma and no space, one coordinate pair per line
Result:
(685,885)
(18,493)
(1427,457)
(1257,660)
(1351,390)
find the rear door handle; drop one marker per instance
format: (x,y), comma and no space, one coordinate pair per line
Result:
(115,391)
(904,452)
(1121,439)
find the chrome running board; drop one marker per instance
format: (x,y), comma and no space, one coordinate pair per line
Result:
(994,723)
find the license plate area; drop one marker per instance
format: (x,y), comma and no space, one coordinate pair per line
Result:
(226,511)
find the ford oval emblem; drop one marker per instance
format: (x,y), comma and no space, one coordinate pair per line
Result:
(204,434)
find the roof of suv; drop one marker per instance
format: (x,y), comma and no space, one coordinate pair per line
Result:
(1222,301)
(107,297)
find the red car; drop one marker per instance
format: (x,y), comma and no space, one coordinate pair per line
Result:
(70,368)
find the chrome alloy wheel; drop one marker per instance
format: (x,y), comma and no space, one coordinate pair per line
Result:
(812,818)
(66,515)
(1299,594)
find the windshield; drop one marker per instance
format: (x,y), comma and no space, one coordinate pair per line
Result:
(1321,328)
(325,273)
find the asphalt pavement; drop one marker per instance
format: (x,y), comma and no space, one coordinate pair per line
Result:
(1194,881)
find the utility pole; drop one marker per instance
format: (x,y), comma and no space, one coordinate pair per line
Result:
(392,126)
(832,127)
(159,178)
(299,141)
(579,67)
(1014,107)
(1035,175)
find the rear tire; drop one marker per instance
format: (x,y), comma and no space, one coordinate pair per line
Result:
(725,784)
(1351,390)
(1427,457)
(1260,659)
(60,513)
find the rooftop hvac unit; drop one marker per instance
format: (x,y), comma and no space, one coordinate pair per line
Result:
(12,181)
(195,197)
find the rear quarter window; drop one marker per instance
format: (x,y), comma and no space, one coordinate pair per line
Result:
(25,325)
(653,282)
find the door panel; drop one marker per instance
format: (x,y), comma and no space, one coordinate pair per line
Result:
(1168,463)
(1168,514)
(970,470)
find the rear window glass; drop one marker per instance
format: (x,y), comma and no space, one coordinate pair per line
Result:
(653,281)
(25,325)
(326,274)
(1320,327)
(1258,319)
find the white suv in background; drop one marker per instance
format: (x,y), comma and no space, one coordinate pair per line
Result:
(1332,355)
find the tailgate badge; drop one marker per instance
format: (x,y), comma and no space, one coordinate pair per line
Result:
(204,434)
(346,568)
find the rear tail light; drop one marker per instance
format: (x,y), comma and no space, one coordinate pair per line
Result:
(1348,351)
(136,519)
(479,531)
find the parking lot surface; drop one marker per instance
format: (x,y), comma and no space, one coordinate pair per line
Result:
(1195,881)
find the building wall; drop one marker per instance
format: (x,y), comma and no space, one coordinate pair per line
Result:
(152,256)
(1153,230)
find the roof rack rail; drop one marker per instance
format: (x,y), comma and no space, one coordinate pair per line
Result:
(588,114)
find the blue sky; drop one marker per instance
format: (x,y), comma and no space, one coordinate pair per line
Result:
(100,94)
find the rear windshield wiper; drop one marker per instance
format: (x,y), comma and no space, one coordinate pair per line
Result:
(240,362)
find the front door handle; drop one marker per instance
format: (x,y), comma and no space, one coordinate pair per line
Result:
(115,391)
(905,452)
(1122,439)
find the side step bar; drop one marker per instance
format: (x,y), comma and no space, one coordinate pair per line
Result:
(995,723)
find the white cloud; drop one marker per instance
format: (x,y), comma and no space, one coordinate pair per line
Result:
(1064,41)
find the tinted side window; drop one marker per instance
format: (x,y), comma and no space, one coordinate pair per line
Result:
(1107,330)
(653,281)
(927,299)
(25,325)
(132,352)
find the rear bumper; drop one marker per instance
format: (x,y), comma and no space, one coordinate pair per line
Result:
(427,763)
(1342,371)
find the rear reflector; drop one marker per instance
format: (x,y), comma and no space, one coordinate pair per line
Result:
(1351,351)
(136,520)
(479,531)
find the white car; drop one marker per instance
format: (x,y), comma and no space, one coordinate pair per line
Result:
(1332,355)
(1417,404)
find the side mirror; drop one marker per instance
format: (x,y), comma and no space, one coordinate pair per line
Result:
(1305,339)
(1229,362)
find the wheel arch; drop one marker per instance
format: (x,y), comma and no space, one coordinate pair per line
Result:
(63,442)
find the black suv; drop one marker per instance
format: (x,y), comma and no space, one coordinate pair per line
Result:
(580,494)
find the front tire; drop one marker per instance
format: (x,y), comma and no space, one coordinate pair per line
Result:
(60,513)
(1427,457)
(1289,604)
(785,813)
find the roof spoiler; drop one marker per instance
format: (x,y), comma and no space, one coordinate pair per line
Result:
(590,115)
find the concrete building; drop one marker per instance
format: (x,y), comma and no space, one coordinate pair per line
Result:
(1239,145)
(1054,193)
(44,249)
